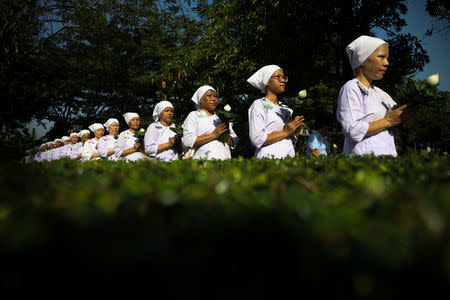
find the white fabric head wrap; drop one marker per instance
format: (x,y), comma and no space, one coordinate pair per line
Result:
(199,94)
(56,140)
(73,133)
(65,138)
(361,48)
(48,144)
(130,115)
(260,78)
(83,132)
(44,144)
(109,122)
(95,126)
(159,108)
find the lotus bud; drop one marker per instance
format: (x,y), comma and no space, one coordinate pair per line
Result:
(142,130)
(432,80)
(302,94)
(227,108)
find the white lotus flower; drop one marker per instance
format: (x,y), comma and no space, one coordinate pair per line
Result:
(432,80)
(142,130)
(302,94)
(227,108)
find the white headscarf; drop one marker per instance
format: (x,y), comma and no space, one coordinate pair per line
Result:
(83,132)
(48,144)
(159,108)
(199,94)
(361,48)
(109,122)
(130,115)
(44,144)
(260,78)
(95,126)
(56,140)
(65,138)
(73,133)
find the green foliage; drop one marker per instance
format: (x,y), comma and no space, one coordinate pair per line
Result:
(333,223)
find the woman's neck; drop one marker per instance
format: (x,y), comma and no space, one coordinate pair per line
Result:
(132,130)
(164,123)
(209,113)
(272,97)
(361,78)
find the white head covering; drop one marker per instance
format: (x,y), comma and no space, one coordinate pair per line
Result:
(56,140)
(73,133)
(109,122)
(83,132)
(95,126)
(159,108)
(261,77)
(199,94)
(361,48)
(130,115)
(44,144)
(48,144)
(65,138)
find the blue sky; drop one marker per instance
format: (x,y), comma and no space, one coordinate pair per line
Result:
(437,47)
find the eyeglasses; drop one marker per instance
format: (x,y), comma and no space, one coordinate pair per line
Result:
(279,77)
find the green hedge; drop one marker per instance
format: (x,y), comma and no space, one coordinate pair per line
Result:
(369,228)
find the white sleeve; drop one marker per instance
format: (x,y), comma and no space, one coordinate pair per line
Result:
(190,127)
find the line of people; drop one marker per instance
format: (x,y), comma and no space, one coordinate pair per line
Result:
(367,115)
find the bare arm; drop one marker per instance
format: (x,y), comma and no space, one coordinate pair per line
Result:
(393,117)
(165,146)
(131,150)
(204,139)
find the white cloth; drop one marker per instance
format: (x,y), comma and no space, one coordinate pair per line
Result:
(76,150)
(73,133)
(57,153)
(198,123)
(130,115)
(89,148)
(361,48)
(159,108)
(48,144)
(83,132)
(66,151)
(125,141)
(56,140)
(155,135)
(109,122)
(104,144)
(357,106)
(199,94)
(260,78)
(264,118)
(65,138)
(319,142)
(95,126)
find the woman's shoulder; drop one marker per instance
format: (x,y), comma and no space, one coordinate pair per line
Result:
(258,103)
(126,132)
(351,84)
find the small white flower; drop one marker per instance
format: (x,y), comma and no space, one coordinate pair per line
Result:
(142,130)
(432,80)
(227,108)
(182,126)
(302,94)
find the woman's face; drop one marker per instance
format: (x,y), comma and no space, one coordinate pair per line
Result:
(65,142)
(58,144)
(99,133)
(134,123)
(277,82)
(166,115)
(376,64)
(85,137)
(52,146)
(74,139)
(113,129)
(209,101)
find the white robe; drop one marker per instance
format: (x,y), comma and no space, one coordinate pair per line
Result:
(89,148)
(126,141)
(264,118)
(104,143)
(198,123)
(155,135)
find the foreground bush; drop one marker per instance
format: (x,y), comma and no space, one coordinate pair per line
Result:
(367,227)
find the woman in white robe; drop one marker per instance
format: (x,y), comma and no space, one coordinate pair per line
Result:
(107,143)
(202,128)
(56,153)
(127,146)
(90,151)
(159,138)
(77,149)
(271,126)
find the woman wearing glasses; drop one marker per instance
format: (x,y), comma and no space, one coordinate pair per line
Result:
(270,125)
(202,128)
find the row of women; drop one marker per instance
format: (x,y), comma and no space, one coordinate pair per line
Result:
(366,113)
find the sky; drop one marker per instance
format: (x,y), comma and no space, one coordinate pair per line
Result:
(437,47)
